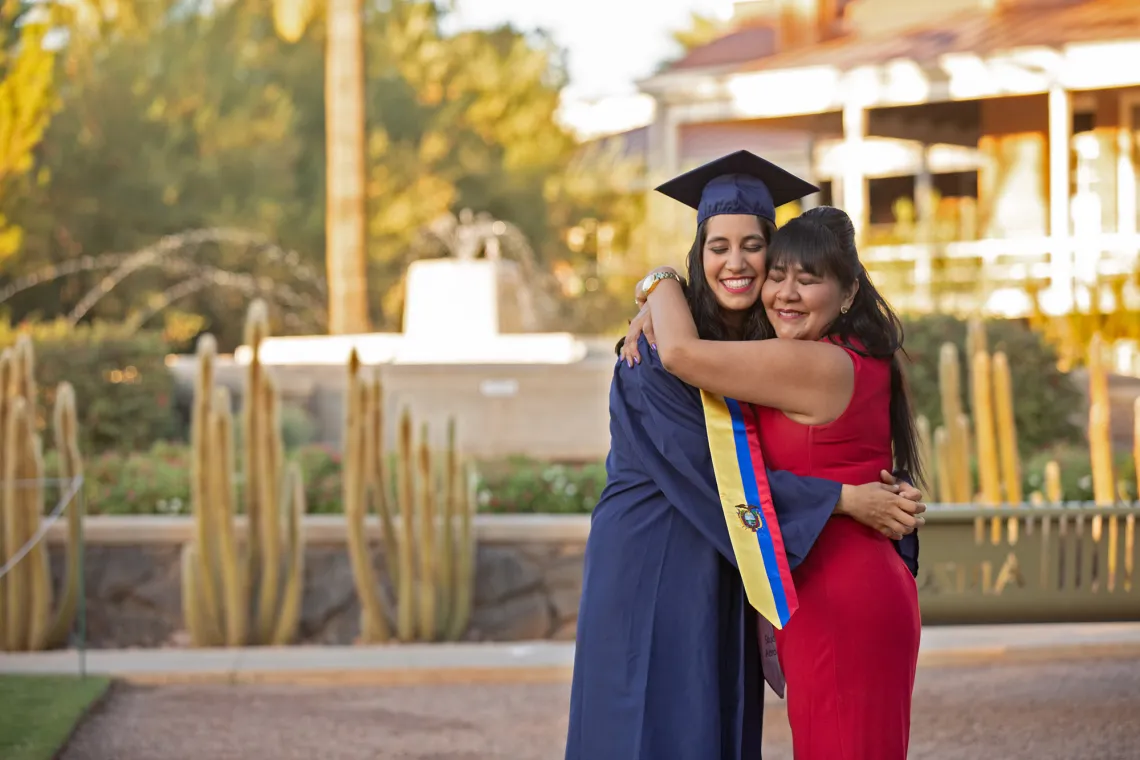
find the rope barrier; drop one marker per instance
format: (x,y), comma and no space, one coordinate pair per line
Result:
(53,517)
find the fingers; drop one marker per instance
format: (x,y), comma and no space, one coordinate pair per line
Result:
(630,352)
(910,520)
(911,493)
(647,331)
(887,477)
(895,530)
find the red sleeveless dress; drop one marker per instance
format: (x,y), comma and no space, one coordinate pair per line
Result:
(850,651)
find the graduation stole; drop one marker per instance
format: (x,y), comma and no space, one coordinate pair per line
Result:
(746,500)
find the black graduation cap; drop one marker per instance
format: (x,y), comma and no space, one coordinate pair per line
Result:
(739,183)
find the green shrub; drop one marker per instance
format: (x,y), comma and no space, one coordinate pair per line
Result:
(123,388)
(1045,399)
(1076,472)
(158,482)
(153,482)
(524,485)
(320,466)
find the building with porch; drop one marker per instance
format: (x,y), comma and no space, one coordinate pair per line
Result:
(987,150)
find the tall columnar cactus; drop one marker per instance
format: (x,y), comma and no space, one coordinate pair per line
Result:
(945,465)
(926,448)
(429,550)
(1053,492)
(1100,439)
(232,594)
(989,472)
(26,591)
(1006,429)
(975,341)
(950,387)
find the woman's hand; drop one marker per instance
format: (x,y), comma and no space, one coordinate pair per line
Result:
(893,509)
(642,324)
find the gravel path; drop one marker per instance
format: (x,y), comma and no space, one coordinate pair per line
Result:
(1086,710)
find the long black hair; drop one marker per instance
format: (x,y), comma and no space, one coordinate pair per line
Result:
(822,242)
(707,313)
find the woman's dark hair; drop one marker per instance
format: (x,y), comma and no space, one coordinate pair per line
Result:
(822,242)
(707,314)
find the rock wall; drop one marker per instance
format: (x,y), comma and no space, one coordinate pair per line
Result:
(523,591)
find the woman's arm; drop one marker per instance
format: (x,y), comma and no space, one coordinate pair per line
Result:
(664,428)
(801,377)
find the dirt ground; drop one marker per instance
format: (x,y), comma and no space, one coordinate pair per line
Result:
(1080,710)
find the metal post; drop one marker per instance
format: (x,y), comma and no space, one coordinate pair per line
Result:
(81,503)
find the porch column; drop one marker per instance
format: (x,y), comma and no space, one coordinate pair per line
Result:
(853,195)
(924,227)
(812,176)
(1061,292)
(1125,172)
(666,228)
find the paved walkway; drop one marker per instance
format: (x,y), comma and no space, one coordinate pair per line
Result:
(1083,709)
(529,662)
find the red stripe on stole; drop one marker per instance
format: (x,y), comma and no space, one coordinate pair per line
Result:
(767,506)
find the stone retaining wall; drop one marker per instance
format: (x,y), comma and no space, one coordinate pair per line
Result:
(528,580)
(1047,565)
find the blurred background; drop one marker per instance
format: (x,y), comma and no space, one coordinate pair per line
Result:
(461,194)
(328,290)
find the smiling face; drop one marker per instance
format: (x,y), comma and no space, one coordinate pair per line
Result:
(799,304)
(733,259)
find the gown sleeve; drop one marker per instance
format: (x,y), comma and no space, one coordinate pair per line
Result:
(664,423)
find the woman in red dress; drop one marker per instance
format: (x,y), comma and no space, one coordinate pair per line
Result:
(833,404)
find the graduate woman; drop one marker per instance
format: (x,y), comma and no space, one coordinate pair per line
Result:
(830,401)
(668,664)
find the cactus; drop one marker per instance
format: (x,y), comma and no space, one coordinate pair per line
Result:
(26,591)
(1100,446)
(65,420)
(950,386)
(1053,492)
(222,580)
(429,552)
(989,474)
(425,504)
(360,447)
(1006,429)
(942,456)
(926,447)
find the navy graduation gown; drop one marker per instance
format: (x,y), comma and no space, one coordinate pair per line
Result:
(667,664)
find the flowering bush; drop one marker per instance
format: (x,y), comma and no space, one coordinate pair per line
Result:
(524,485)
(142,483)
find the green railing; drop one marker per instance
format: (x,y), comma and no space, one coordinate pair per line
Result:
(1029,564)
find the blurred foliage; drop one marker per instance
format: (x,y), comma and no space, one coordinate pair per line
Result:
(122,385)
(1076,472)
(188,114)
(1046,404)
(157,481)
(700,30)
(27,100)
(520,484)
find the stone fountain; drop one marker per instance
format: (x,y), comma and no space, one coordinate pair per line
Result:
(472,345)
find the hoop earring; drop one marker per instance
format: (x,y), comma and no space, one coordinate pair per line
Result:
(843,310)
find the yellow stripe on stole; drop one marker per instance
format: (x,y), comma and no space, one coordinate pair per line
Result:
(722,446)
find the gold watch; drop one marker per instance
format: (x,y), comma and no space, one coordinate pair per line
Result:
(654,278)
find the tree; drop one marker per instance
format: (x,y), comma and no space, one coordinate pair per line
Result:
(204,119)
(27,101)
(345,200)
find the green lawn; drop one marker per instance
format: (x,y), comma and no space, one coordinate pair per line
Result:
(37,713)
